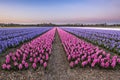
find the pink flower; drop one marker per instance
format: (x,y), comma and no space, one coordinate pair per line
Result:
(35,60)
(14,58)
(106,64)
(15,64)
(26,65)
(10,54)
(83,58)
(76,62)
(20,66)
(89,60)
(31,54)
(31,59)
(47,56)
(104,53)
(38,58)
(45,64)
(40,55)
(42,51)
(71,64)
(84,63)
(93,64)
(43,57)
(95,61)
(114,57)
(100,57)
(34,65)
(113,64)
(34,55)
(118,60)
(78,59)
(7,56)
(108,55)
(8,67)
(7,60)
(4,66)
(23,62)
(17,54)
(69,57)
(18,58)
(102,64)
(73,56)
(41,61)
(102,60)
(24,57)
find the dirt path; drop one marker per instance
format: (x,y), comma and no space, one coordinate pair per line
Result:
(58,66)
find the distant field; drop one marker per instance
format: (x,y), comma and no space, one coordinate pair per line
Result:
(101,28)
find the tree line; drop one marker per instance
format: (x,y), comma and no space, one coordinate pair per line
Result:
(58,25)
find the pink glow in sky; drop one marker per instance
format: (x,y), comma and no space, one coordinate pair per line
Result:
(61,11)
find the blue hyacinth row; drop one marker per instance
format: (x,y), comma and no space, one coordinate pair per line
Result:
(11,37)
(109,39)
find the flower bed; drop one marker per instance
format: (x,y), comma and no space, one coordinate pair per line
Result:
(109,39)
(81,53)
(32,54)
(12,37)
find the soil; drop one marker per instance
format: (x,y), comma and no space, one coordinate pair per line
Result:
(58,69)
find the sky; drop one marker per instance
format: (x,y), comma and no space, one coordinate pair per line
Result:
(59,11)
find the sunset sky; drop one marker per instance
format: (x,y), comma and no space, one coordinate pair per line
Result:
(59,11)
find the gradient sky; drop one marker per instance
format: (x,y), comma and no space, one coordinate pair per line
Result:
(59,11)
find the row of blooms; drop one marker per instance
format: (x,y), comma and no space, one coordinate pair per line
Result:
(32,54)
(84,54)
(109,39)
(15,36)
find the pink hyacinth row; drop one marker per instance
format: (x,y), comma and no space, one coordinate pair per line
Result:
(34,53)
(84,54)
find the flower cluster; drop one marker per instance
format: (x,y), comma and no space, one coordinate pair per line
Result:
(15,36)
(80,52)
(33,53)
(109,39)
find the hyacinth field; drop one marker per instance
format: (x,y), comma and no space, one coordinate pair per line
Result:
(59,53)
